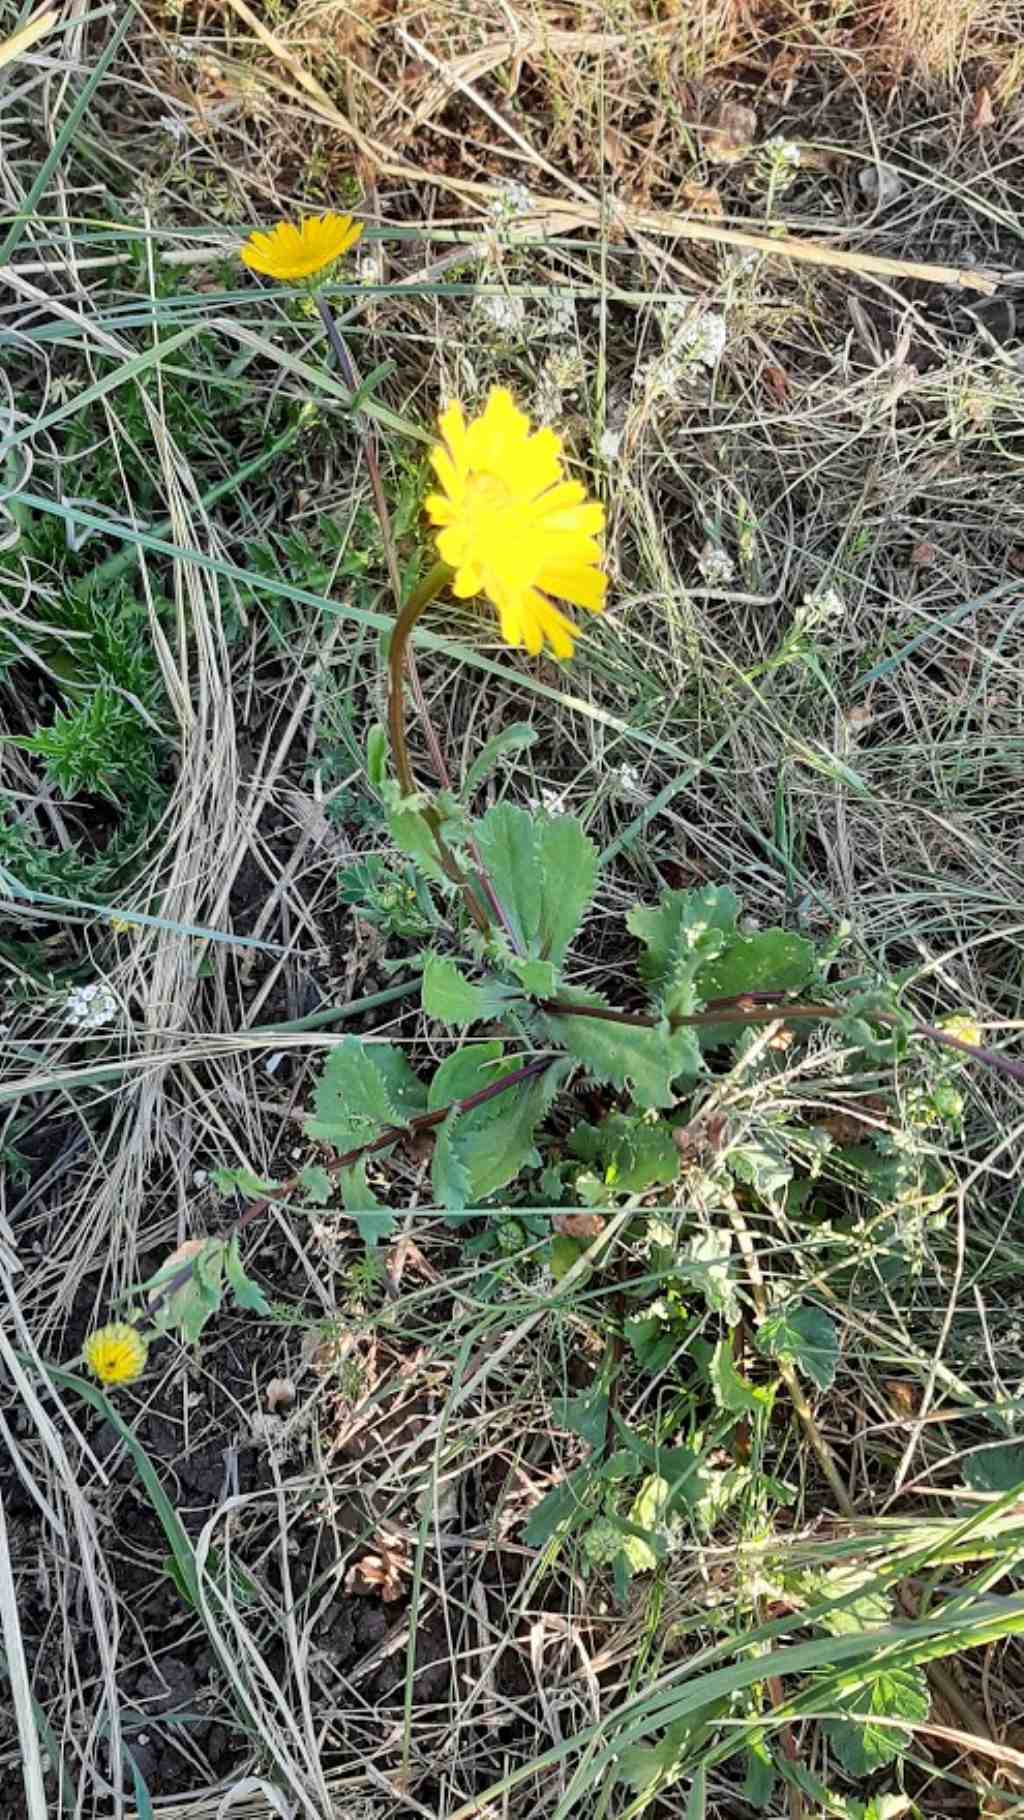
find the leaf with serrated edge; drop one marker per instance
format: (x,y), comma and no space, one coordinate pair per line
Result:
(317,1183)
(771,961)
(863,1748)
(506,838)
(647,1062)
(364,1088)
(374,1220)
(449,1175)
(802,1336)
(453,999)
(566,874)
(496,1149)
(412,837)
(730,1389)
(680,930)
(247,1294)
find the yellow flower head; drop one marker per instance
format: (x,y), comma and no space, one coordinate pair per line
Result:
(116,1354)
(289,252)
(513,527)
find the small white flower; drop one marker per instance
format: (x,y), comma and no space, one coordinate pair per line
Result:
(370,268)
(91,1005)
(502,310)
(777,161)
(716,565)
(629,780)
(694,337)
(510,204)
(608,445)
(820,605)
(559,314)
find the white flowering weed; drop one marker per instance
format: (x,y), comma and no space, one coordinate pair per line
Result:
(91,1006)
(716,565)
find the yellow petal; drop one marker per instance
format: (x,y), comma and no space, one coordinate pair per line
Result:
(584,587)
(438,509)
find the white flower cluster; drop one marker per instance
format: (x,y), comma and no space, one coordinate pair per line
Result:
(501,310)
(777,161)
(697,340)
(90,1006)
(716,565)
(510,204)
(819,606)
(608,445)
(563,372)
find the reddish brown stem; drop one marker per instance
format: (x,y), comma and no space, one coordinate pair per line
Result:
(753,1010)
(423,1121)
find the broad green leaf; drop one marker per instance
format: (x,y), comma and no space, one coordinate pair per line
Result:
(646,1063)
(492,1142)
(771,961)
(562,1510)
(866,1605)
(243,1181)
(412,836)
(247,1294)
(364,1088)
(996,1468)
(202,1296)
(802,1336)
(507,843)
(567,868)
(317,1183)
(628,1154)
(515,738)
(863,1748)
(495,1149)
(648,1512)
(768,1172)
(543,870)
(448,1173)
(374,1220)
(706,1264)
(730,1389)
(197,1299)
(466,1071)
(565,1252)
(539,979)
(452,999)
(652,1343)
(586,1416)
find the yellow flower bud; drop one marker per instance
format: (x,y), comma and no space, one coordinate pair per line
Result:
(116,1354)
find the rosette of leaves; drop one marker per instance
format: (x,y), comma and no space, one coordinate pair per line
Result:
(510,998)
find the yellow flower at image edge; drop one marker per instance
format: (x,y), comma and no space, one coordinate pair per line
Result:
(512,526)
(116,1354)
(289,252)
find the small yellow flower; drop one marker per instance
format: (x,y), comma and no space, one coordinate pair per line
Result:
(289,252)
(116,1354)
(512,526)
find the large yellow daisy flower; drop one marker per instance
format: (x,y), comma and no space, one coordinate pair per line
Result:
(116,1354)
(513,527)
(289,252)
